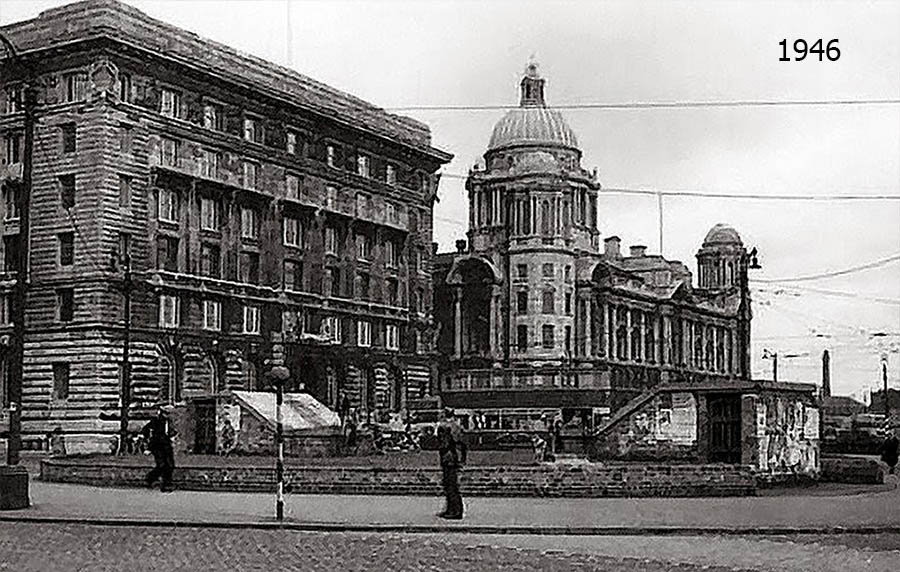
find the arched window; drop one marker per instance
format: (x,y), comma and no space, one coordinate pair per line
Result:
(526,216)
(636,317)
(546,219)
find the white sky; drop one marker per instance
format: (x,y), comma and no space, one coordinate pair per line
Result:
(400,52)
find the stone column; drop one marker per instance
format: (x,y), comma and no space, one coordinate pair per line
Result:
(457,315)
(641,350)
(589,327)
(604,308)
(613,332)
(628,327)
(495,321)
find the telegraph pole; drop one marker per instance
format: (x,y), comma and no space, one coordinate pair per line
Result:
(125,395)
(887,405)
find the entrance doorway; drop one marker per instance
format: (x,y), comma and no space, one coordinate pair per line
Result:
(205,427)
(724,428)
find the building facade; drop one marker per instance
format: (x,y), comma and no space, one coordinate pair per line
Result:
(249,204)
(537,319)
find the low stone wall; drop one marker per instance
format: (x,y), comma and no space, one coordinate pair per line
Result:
(851,470)
(547,480)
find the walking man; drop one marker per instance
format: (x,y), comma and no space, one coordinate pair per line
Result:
(158,433)
(889,450)
(452,450)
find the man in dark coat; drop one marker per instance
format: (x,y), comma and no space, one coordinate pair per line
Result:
(889,451)
(452,450)
(158,434)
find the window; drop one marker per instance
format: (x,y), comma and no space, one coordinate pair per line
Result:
(547,337)
(209,214)
(251,129)
(330,156)
(547,270)
(292,186)
(291,145)
(390,212)
(60,381)
(124,191)
(333,281)
(13,148)
(567,275)
(168,152)
(249,267)
(67,191)
(249,223)
(568,303)
(522,338)
(364,285)
(66,248)
(65,304)
(124,87)
(251,319)
(364,334)
(212,315)
(14,98)
(522,271)
(210,265)
(208,164)
(331,327)
(392,337)
(5,312)
(390,175)
(548,302)
(522,302)
(293,232)
(363,247)
(331,240)
(362,204)
(420,261)
(126,139)
(391,254)
(125,247)
(168,311)
(167,253)
(170,103)
(10,202)
(362,166)
(420,300)
(212,116)
(250,170)
(67,131)
(11,252)
(393,292)
(293,275)
(330,197)
(75,86)
(568,339)
(167,205)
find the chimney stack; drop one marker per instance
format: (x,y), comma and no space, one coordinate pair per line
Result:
(434,248)
(461,246)
(611,247)
(638,250)
(826,374)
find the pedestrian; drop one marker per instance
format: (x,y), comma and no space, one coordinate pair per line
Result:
(228,437)
(889,451)
(159,433)
(452,451)
(344,407)
(557,437)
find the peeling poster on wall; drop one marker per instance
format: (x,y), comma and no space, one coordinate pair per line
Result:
(811,426)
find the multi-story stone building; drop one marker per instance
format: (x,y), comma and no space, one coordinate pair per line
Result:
(536,319)
(252,204)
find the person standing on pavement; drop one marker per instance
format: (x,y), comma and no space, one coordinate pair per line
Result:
(889,450)
(452,450)
(158,433)
(344,408)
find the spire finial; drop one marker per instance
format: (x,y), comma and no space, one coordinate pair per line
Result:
(532,86)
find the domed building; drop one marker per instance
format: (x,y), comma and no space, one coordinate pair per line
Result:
(538,320)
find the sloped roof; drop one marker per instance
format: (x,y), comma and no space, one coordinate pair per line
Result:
(301,411)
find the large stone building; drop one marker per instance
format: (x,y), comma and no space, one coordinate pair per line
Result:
(536,318)
(254,204)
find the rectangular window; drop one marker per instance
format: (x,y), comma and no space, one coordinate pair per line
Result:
(5,313)
(67,130)
(14,98)
(126,139)
(67,191)
(124,191)
(170,103)
(390,175)
(253,130)
(60,381)
(293,275)
(124,87)
(11,252)
(364,334)
(364,285)
(249,267)
(548,302)
(210,265)
(420,261)
(75,84)
(568,339)
(292,186)
(568,304)
(66,248)
(331,197)
(330,156)
(249,223)
(363,247)
(392,337)
(362,166)
(208,164)
(547,337)
(167,253)
(168,152)
(391,254)
(331,326)
(420,300)
(333,281)
(293,232)
(331,240)
(390,212)
(212,116)
(125,247)
(251,319)
(568,274)
(291,144)
(522,302)
(547,270)
(362,204)
(13,148)
(212,315)
(393,292)
(522,271)
(10,202)
(250,171)
(209,214)
(65,304)
(167,205)
(168,311)
(522,338)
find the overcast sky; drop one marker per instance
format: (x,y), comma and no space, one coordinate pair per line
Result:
(405,53)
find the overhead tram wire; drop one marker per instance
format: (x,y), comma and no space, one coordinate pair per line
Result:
(832,274)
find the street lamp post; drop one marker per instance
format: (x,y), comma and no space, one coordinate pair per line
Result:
(279,375)
(748,261)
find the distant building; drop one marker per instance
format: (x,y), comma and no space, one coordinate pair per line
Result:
(255,204)
(537,320)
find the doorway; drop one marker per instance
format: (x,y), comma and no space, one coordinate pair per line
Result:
(205,427)
(724,428)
